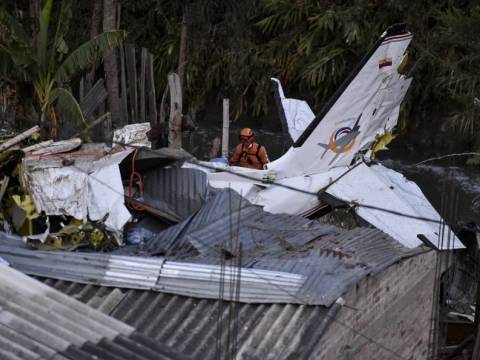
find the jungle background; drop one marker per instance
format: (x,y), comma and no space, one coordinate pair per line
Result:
(230,49)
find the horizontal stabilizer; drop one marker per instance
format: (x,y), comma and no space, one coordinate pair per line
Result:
(395,205)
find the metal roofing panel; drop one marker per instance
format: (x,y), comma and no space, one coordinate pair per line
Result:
(96,268)
(175,190)
(196,327)
(37,321)
(210,281)
(227,217)
(331,259)
(316,273)
(32,309)
(134,272)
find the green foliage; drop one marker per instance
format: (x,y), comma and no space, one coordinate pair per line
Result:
(311,45)
(88,53)
(47,63)
(234,47)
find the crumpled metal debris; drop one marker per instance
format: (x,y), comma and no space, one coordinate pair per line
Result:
(23,214)
(75,235)
(133,134)
(84,186)
(62,195)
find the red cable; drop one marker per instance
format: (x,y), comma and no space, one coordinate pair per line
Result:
(134,174)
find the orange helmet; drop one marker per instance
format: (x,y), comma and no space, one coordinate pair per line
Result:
(246,132)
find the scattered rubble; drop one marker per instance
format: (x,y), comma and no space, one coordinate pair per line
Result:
(63,194)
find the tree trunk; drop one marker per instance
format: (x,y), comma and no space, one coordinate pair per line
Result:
(182,55)
(94,31)
(34,10)
(110,63)
(175,119)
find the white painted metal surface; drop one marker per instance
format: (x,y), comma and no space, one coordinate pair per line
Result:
(297,113)
(394,205)
(89,187)
(361,112)
(367,107)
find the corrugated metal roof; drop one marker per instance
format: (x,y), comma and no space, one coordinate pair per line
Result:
(228,216)
(317,273)
(37,321)
(207,281)
(134,272)
(175,190)
(196,326)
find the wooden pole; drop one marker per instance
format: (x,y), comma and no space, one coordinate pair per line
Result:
(143,66)
(9,143)
(37,146)
(226,127)
(175,122)
(152,102)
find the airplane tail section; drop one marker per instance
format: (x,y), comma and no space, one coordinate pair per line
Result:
(365,106)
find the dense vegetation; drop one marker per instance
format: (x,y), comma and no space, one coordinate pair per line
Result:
(234,47)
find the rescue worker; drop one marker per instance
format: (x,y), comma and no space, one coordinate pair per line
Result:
(249,153)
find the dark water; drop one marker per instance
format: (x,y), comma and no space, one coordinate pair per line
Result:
(440,182)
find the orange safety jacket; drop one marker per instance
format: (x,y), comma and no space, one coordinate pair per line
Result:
(252,156)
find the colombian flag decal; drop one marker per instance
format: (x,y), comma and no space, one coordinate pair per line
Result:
(386,61)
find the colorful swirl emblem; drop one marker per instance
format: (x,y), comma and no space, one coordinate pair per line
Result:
(335,142)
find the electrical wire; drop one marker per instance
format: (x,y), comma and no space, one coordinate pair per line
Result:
(135,174)
(288,187)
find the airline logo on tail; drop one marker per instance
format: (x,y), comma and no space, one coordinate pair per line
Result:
(342,139)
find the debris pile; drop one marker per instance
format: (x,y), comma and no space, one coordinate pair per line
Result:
(63,194)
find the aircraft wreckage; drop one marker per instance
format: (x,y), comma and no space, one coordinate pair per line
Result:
(330,160)
(68,194)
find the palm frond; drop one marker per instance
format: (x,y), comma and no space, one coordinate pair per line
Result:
(88,53)
(68,105)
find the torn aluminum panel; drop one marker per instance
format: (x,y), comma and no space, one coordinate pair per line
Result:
(133,134)
(296,113)
(395,205)
(84,186)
